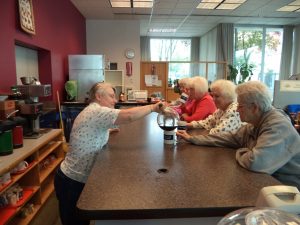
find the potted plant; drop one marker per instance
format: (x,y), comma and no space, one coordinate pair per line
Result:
(240,73)
(170,83)
(176,86)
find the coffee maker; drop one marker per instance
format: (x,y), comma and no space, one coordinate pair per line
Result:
(32,109)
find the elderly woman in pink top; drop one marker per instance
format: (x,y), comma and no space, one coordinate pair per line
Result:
(202,104)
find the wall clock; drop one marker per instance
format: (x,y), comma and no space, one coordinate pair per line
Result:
(26,16)
(129,53)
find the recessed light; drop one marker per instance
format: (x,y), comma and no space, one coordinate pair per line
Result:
(207,5)
(120,3)
(228,6)
(143,4)
(295,3)
(288,8)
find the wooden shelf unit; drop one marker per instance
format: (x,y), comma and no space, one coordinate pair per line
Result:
(36,177)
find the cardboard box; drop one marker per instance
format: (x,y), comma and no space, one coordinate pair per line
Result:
(6,105)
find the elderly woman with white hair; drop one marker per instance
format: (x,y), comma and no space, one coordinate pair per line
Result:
(268,143)
(226,117)
(90,132)
(202,104)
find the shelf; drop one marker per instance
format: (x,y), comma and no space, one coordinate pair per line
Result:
(6,186)
(47,190)
(44,172)
(27,219)
(45,151)
(37,183)
(8,212)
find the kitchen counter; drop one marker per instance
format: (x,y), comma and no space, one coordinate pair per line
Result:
(137,176)
(118,104)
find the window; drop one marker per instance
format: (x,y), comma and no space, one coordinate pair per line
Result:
(176,51)
(260,46)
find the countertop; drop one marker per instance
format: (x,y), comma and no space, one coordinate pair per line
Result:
(137,176)
(126,103)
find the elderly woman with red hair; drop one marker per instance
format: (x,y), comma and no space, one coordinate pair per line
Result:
(202,104)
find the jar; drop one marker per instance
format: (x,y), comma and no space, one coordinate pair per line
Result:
(6,138)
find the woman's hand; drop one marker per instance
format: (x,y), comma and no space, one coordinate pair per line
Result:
(183,134)
(189,125)
(158,107)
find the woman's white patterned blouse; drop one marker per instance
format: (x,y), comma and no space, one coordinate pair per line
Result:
(221,121)
(89,134)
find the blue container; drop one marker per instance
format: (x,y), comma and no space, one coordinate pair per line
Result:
(293,108)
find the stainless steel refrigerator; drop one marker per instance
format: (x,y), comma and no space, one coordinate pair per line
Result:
(86,70)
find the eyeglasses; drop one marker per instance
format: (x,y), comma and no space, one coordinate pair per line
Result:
(240,106)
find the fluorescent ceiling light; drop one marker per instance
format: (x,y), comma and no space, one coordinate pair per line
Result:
(295,3)
(288,8)
(228,6)
(207,5)
(234,1)
(164,30)
(133,3)
(142,4)
(120,3)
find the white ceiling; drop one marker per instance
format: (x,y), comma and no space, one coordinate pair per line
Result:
(191,22)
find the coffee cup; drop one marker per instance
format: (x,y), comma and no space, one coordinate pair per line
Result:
(5,178)
(12,198)
(3,200)
(181,125)
(183,98)
(20,167)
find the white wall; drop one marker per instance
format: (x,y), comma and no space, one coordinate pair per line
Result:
(112,38)
(26,63)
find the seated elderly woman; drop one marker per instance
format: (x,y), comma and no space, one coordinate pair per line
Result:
(226,117)
(202,104)
(268,143)
(178,104)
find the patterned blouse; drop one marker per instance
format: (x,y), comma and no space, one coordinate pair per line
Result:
(89,134)
(221,121)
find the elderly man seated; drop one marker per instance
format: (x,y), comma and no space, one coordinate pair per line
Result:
(268,143)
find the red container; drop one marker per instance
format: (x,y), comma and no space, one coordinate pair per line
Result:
(17,136)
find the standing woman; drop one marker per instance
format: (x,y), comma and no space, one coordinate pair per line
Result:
(226,117)
(89,134)
(202,104)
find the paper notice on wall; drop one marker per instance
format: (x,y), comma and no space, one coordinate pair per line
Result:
(290,85)
(151,80)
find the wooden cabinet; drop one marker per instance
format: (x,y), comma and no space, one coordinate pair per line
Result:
(154,68)
(43,156)
(116,78)
(171,95)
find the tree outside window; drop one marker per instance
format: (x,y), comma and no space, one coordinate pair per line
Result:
(176,51)
(260,46)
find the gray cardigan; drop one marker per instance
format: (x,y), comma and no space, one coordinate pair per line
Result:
(273,147)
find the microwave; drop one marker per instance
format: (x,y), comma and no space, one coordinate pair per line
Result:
(137,95)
